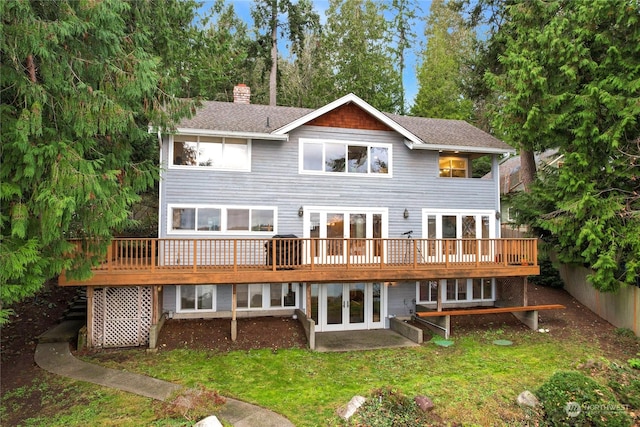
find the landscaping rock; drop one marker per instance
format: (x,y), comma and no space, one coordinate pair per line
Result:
(424,403)
(526,398)
(347,412)
(211,421)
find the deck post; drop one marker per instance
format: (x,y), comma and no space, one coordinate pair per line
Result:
(525,285)
(234,305)
(110,255)
(504,253)
(152,255)
(90,297)
(308,310)
(154,304)
(439,299)
(195,255)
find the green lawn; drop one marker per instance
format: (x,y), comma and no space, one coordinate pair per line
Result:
(473,382)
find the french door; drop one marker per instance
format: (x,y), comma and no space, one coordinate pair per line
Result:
(345,234)
(466,234)
(350,306)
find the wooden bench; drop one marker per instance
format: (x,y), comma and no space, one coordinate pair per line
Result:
(440,321)
(490,310)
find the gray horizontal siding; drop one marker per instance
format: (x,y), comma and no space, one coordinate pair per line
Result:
(274,181)
(169,299)
(401,299)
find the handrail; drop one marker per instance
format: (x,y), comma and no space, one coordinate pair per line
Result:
(236,254)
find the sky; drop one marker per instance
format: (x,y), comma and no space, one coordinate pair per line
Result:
(243,10)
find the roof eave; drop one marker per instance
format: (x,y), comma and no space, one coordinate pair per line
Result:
(232,134)
(459,148)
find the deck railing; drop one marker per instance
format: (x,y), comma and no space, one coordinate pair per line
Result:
(240,254)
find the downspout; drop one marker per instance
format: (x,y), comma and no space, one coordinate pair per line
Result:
(160,184)
(496,179)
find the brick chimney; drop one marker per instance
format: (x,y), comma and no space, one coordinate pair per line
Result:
(242,94)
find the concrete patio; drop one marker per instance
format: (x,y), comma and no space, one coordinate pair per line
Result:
(360,340)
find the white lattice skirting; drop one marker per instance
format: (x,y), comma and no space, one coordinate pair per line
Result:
(121,316)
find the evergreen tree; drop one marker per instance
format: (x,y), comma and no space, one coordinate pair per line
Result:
(356,46)
(300,17)
(442,72)
(80,85)
(218,56)
(300,76)
(571,80)
(404,15)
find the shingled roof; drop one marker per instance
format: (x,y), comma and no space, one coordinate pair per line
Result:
(242,118)
(265,120)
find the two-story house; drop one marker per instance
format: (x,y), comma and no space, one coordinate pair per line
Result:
(345,214)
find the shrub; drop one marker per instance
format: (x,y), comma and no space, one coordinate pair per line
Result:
(549,274)
(634,363)
(388,407)
(571,398)
(625,383)
(625,332)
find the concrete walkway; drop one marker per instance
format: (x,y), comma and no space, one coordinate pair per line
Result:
(53,355)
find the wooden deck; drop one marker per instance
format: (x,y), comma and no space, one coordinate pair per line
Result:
(222,261)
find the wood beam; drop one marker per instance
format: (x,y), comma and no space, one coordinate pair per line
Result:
(389,274)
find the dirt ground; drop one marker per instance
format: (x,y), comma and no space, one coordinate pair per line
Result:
(38,314)
(215,334)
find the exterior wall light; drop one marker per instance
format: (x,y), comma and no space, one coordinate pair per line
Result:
(406,214)
(300,212)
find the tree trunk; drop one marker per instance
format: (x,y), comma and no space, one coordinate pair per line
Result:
(273,83)
(527,168)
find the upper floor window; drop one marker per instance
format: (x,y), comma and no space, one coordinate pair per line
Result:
(221,219)
(453,167)
(211,152)
(319,156)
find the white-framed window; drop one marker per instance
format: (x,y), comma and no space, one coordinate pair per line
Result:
(345,157)
(193,298)
(211,152)
(427,291)
(209,219)
(283,295)
(458,224)
(453,167)
(266,296)
(462,290)
(456,290)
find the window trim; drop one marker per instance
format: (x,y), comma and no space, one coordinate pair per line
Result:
(458,213)
(223,220)
(469,292)
(450,157)
(214,300)
(324,210)
(346,143)
(266,298)
(171,165)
